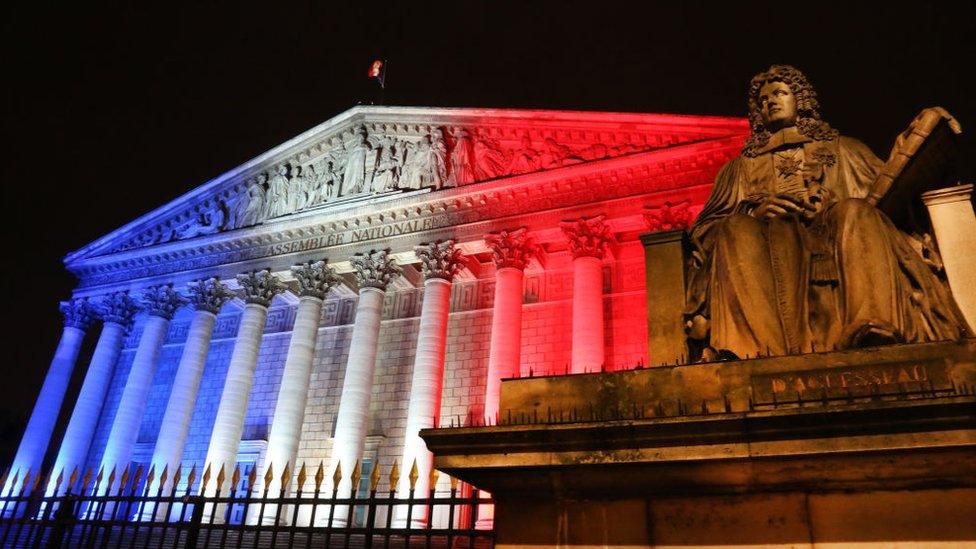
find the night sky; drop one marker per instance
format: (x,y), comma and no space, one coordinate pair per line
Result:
(111,111)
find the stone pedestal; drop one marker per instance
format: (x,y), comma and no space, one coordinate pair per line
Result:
(664,264)
(954,223)
(873,446)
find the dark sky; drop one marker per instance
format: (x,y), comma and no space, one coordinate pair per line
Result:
(113,110)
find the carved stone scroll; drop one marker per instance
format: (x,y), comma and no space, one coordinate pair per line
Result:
(162,301)
(588,237)
(117,307)
(260,287)
(375,269)
(209,295)
(511,249)
(315,278)
(439,259)
(78,313)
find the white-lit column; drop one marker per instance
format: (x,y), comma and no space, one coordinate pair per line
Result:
(374,271)
(512,250)
(78,316)
(315,279)
(954,223)
(160,302)
(207,297)
(257,289)
(116,311)
(439,261)
(588,239)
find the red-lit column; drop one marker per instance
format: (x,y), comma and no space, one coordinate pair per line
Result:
(588,239)
(512,250)
(440,261)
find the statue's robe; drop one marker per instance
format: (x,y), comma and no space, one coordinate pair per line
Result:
(835,278)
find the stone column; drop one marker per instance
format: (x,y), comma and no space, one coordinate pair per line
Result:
(439,261)
(588,239)
(78,316)
(207,297)
(512,251)
(374,272)
(116,311)
(161,303)
(954,223)
(257,289)
(315,279)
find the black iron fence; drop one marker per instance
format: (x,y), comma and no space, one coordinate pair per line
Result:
(173,512)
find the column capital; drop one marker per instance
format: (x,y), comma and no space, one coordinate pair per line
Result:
(162,301)
(669,216)
(375,269)
(315,278)
(588,236)
(511,248)
(440,259)
(260,287)
(78,313)
(117,307)
(208,295)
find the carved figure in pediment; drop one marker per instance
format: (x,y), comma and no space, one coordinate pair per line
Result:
(387,171)
(554,155)
(412,165)
(489,159)
(297,184)
(525,159)
(315,185)
(462,158)
(208,221)
(332,178)
(426,164)
(248,208)
(278,192)
(354,175)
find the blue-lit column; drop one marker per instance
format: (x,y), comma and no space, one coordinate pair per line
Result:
(315,279)
(207,297)
(116,311)
(78,316)
(160,303)
(257,290)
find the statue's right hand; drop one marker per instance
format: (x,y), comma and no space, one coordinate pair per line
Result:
(776,206)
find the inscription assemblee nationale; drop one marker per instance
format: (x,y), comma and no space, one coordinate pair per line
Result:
(354,236)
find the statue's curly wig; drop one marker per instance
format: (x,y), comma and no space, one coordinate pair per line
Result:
(808,120)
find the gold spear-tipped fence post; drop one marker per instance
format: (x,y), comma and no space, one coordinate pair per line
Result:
(205,480)
(394,477)
(374,479)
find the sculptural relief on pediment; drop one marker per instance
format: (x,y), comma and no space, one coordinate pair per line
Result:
(367,160)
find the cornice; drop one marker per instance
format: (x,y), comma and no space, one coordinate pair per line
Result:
(358,226)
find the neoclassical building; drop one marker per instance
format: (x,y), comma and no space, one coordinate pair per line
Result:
(375,275)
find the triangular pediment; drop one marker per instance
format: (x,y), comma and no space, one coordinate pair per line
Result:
(371,151)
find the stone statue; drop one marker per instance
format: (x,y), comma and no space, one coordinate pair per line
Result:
(788,255)
(354,176)
(462,158)
(250,206)
(297,197)
(315,185)
(525,160)
(277,202)
(426,162)
(489,159)
(387,171)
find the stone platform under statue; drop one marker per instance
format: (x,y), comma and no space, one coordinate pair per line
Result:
(872,445)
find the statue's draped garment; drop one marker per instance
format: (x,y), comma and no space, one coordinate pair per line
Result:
(796,284)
